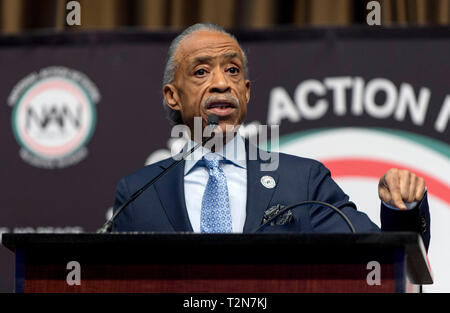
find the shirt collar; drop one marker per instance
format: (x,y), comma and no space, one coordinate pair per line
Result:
(233,151)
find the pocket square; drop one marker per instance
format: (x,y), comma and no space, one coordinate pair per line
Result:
(283,219)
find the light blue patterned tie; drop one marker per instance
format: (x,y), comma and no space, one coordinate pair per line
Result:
(215,215)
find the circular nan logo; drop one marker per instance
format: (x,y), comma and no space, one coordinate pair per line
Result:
(54,116)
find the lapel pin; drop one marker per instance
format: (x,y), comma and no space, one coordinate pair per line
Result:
(268,182)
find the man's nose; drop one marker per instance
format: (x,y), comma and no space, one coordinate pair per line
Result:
(219,82)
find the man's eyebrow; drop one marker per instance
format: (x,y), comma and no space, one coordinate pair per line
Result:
(230,55)
(202,59)
(207,59)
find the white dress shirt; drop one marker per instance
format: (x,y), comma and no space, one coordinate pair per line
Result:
(196,177)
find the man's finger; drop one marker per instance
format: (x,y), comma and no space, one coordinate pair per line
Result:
(412,188)
(384,195)
(404,179)
(394,189)
(397,199)
(420,189)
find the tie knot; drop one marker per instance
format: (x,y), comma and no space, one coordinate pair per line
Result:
(212,160)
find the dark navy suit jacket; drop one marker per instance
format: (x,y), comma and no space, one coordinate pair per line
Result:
(162,207)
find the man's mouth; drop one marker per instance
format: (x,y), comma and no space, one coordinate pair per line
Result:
(221,107)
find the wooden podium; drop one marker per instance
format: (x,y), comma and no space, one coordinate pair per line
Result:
(222,263)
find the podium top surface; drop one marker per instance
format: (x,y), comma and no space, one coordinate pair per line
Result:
(408,240)
(230,248)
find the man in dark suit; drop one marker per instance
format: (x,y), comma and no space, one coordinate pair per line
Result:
(219,191)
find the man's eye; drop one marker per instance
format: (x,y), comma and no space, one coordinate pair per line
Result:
(233,70)
(200,72)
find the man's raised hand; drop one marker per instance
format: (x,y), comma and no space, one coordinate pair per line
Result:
(398,186)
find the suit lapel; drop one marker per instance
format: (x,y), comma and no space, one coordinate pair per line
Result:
(258,196)
(170,190)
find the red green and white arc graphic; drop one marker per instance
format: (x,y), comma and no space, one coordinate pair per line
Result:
(358,157)
(370,152)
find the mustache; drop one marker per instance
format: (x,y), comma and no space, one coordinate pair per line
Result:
(228,97)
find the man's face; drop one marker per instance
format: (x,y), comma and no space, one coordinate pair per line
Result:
(209,79)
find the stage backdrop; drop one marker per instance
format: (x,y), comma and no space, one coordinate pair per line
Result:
(80,111)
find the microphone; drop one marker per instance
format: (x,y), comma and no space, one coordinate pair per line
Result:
(213,122)
(279,210)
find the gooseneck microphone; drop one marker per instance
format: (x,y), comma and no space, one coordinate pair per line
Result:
(213,122)
(296,205)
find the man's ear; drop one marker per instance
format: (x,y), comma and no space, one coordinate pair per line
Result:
(171,96)
(247,93)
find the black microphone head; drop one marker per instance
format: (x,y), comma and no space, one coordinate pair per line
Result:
(213,119)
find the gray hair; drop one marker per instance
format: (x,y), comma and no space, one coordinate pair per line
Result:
(171,64)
